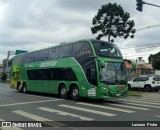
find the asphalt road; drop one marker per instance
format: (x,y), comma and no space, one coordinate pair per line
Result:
(57,112)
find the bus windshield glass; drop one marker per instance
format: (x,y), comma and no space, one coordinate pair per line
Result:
(114,74)
(107,49)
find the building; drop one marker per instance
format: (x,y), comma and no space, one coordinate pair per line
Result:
(157,72)
(142,68)
(130,71)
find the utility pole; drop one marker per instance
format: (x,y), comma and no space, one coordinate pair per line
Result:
(8,55)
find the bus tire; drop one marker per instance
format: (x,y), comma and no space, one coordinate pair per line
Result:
(75,93)
(63,92)
(19,87)
(24,88)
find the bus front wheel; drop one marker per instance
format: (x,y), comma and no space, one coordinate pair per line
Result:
(75,93)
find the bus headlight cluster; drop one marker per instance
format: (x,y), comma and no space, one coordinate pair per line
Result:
(105,88)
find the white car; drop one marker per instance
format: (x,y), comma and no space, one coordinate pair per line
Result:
(147,83)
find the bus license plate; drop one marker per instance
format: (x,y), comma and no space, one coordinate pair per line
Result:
(118,95)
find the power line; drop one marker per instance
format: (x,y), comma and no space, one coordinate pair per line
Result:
(149,50)
(140,46)
(139,49)
(141,53)
(148,27)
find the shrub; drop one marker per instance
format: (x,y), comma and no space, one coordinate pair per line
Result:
(4,77)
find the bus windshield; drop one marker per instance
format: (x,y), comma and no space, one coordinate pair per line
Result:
(106,49)
(113,74)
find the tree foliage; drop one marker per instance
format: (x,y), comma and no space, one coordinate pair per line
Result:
(155,60)
(112,21)
(4,77)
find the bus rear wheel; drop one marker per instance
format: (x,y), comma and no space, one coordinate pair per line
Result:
(75,93)
(63,92)
(19,88)
(24,88)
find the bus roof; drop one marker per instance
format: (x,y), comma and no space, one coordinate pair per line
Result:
(64,43)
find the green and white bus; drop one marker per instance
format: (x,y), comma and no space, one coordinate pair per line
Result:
(86,68)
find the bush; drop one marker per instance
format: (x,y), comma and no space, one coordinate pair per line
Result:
(4,77)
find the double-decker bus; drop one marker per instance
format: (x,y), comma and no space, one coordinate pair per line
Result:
(86,68)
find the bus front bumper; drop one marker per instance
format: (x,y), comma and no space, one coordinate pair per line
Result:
(108,94)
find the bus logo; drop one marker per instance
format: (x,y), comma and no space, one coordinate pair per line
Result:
(48,64)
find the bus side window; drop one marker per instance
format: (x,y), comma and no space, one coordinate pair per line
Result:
(65,51)
(31,74)
(44,55)
(81,50)
(70,75)
(53,53)
(52,74)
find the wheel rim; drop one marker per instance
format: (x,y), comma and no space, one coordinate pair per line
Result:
(24,89)
(19,88)
(75,92)
(147,89)
(63,91)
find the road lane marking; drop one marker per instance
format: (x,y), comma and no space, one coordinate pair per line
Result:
(23,103)
(87,110)
(106,107)
(140,108)
(37,118)
(33,95)
(30,116)
(139,101)
(9,128)
(157,116)
(153,99)
(65,113)
(149,100)
(142,105)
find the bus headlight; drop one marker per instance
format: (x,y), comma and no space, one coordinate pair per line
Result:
(105,88)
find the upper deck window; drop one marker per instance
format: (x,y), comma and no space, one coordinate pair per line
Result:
(107,49)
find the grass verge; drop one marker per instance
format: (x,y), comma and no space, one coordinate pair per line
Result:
(135,93)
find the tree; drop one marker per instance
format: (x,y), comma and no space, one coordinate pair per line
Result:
(150,58)
(112,21)
(140,58)
(4,77)
(155,60)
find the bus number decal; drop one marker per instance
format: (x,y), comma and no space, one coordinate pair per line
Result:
(92,92)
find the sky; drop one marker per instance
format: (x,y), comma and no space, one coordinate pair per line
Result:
(36,24)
